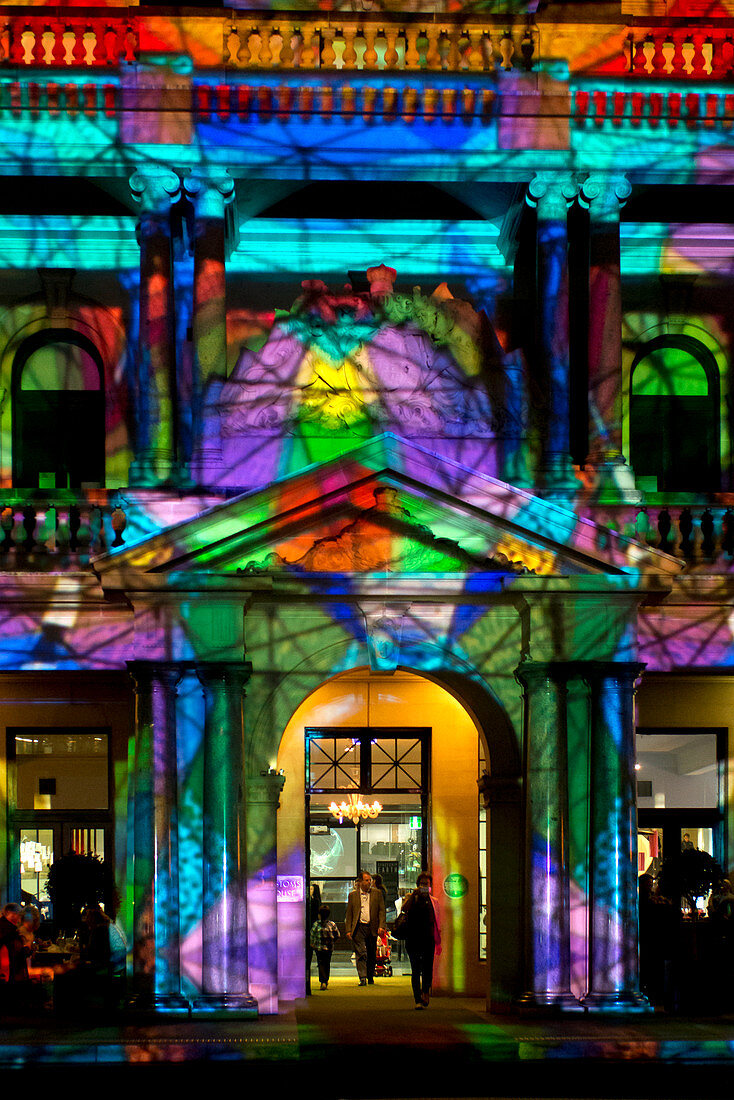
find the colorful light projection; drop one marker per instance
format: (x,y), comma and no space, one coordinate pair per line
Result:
(342,368)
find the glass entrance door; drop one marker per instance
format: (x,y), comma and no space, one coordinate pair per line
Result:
(389,766)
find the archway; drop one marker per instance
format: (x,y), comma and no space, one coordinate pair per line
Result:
(433,813)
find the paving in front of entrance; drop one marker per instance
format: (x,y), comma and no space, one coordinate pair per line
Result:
(351,1041)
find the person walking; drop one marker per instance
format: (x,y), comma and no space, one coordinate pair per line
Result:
(324,934)
(422,937)
(365,917)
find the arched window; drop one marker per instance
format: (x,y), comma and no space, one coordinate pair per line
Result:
(58,412)
(674,415)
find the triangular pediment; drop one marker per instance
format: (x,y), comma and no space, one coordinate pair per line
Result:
(392,508)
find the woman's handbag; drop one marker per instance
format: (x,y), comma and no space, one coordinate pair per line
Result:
(400,928)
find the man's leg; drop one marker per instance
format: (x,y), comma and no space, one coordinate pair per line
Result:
(371,945)
(360,951)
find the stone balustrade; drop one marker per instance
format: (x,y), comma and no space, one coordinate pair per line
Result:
(680,52)
(602,104)
(350,41)
(305,41)
(40,532)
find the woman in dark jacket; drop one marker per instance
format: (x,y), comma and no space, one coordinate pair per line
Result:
(422,937)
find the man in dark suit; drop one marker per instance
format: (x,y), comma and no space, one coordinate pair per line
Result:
(365,918)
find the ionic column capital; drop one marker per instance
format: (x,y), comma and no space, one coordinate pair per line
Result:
(604,194)
(265,788)
(156,188)
(552,193)
(223,675)
(145,674)
(620,672)
(210,190)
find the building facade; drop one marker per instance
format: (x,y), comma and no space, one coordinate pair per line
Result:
(365,429)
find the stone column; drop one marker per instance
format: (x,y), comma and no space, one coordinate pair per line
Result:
(224,847)
(604,196)
(263,799)
(547,902)
(156,189)
(156,941)
(552,194)
(613,921)
(211,193)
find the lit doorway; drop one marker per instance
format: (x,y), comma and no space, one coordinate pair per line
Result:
(384,766)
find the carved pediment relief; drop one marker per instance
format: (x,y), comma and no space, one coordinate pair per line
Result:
(383,538)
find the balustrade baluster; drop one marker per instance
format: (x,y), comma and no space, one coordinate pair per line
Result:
(310,48)
(28,42)
(29,527)
(527,50)
(231,46)
(443,48)
(112,46)
(658,57)
(698,59)
(328,56)
(266,52)
(131,46)
(7,520)
(391,53)
(68,40)
(507,50)
(287,53)
(433,55)
(5,43)
(243,53)
(412,56)
(79,52)
(349,57)
(48,41)
(255,43)
(639,57)
(369,60)
(474,53)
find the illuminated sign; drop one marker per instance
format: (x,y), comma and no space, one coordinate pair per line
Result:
(456,886)
(290,888)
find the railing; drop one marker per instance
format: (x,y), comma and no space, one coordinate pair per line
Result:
(606,105)
(43,41)
(302,41)
(680,53)
(701,535)
(37,532)
(378,45)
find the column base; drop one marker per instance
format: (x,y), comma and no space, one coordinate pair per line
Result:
(544,1003)
(150,1005)
(224,1006)
(616,1003)
(170,1004)
(613,481)
(556,477)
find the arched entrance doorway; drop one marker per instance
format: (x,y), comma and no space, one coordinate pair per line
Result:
(420,751)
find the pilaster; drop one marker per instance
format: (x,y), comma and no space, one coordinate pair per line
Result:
(552,194)
(613,918)
(211,193)
(604,195)
(225,988)
(156,939)
(263,799)
(156,189)
(547,889)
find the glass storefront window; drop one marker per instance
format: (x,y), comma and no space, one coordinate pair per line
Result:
(36,857)
(65,770)
(333,763)
(677,770)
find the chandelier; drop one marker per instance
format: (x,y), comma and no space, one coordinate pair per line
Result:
(354,809)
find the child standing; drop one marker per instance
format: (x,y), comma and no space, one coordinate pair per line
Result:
(324,934)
